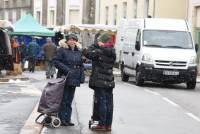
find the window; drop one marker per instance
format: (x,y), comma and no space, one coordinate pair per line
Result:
(14,16)
(147,8)
(23,12)
(134,8)
(167,39)
(6,15)
(6,3)
(15,2)
(52,16)
(124,10)
(115,15)
(107,14)
(38,16)
(130,36)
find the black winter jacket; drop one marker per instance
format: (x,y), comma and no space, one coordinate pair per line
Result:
(103,59)
(69,62)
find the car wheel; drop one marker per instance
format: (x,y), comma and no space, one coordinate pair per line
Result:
(139,80)
(191,84)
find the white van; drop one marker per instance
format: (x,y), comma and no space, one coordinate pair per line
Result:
(158,50)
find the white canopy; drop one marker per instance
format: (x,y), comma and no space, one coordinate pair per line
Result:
(86,27)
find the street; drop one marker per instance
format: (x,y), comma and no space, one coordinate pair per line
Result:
(142,110)
(149,109)
(17,100)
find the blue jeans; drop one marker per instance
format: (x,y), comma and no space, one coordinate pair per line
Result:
(105,99)
(66,109)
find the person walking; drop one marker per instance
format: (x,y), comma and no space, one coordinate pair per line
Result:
(33,50)
(23,54)
(49,50)
(101,80)
(68,61)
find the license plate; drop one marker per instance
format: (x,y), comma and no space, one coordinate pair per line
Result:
(170,72)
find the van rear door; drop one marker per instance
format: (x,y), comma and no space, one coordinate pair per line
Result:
(6,61)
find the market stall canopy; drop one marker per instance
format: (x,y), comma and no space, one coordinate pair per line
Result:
(27,25)
(86,27)
(6,25)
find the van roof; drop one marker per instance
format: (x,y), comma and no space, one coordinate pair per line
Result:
(159,24)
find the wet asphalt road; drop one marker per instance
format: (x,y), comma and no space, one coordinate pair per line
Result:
(133,105)
(151,109)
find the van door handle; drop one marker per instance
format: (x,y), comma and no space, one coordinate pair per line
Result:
(125,52)
(133,53)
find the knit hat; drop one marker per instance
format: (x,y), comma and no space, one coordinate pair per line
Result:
(107,39)
(71,36)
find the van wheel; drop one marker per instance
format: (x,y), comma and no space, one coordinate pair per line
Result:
(139,81)
(191,84)
(124,76)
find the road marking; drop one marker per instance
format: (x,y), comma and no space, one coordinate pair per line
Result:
(171,102)
(152,92)
(128,84)
(193,116)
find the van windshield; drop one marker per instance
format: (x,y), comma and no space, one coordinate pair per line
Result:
(167,39)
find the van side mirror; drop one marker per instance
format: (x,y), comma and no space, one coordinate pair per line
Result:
(196,47)
(137,46)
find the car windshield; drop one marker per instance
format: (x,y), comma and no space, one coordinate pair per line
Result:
(167,39)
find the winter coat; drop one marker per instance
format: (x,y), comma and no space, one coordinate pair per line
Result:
(69,63)
(103,59)
(33,49)
(49,50)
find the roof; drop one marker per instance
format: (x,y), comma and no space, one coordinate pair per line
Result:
(166,24)
(159,24)
(27,25)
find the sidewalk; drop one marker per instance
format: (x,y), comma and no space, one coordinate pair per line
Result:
(13,78)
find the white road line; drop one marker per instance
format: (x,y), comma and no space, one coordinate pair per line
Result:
(152,92)
(193,116)
(128,84)
(171,102)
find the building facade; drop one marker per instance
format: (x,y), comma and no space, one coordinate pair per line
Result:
(110,12)
(194,19)
(52,13)
(88,11)
(49,13)
(12,10)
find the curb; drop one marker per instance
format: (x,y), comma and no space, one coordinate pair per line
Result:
(14,78)
(30,126)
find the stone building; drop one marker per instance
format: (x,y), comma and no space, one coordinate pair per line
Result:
(49,13)
(12,10)
(111,12)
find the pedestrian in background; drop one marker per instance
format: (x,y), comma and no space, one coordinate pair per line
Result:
(101,80)
(49,50)
(68,61)
(23,54)
(33,50)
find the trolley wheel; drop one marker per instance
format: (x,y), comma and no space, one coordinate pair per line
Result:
(55,122)
(89,124)
(47,120)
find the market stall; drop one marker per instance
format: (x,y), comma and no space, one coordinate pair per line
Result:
(86,32)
